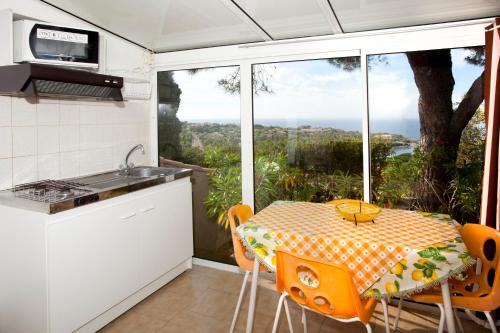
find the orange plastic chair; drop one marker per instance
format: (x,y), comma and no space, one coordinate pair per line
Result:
(322,287)
(237,215)
(479,291)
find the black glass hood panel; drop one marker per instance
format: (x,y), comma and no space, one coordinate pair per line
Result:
(43,80)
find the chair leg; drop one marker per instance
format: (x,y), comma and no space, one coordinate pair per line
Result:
(442,319)
(304,320)
(368,328)
(386,315)
(490,321)
(459,323)
(398,314)
(240,299)
(288,317)
(278,312)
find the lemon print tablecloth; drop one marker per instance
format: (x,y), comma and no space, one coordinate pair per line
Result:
(402,252)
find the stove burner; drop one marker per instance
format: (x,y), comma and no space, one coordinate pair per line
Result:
(38,191)
(50,191)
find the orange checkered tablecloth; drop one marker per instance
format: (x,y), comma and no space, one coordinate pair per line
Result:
(369,249)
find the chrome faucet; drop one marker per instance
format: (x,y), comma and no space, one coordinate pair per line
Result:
(129,165)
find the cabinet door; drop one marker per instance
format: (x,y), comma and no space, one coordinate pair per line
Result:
(93,264)
(166,229)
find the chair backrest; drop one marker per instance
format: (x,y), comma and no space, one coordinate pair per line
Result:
(322,287)
(483,243)
(237,215)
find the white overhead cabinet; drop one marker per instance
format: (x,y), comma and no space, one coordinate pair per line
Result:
(100,259)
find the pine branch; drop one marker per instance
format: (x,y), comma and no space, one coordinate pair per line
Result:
(468,106)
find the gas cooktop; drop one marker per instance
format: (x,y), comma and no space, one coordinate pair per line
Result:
(51,191)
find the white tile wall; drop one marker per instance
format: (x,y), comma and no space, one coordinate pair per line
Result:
(88,137)
(23,111)
(69,114)
(47,114)
(48,166)
(69,164)
(6,140)
(69,138)
(23,141)
(48,140)
(5,111)
(58,138)
(5,172)
(24,169)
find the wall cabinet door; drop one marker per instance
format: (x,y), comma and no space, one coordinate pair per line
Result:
(93,264)
(166,236)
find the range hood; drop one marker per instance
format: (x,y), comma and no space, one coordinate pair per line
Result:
(43,80)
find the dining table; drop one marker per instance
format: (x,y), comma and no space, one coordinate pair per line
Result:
(399,253)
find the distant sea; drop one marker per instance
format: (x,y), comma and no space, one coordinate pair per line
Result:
(401,150)
(409,128)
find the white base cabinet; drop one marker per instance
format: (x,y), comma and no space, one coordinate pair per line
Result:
(102,256)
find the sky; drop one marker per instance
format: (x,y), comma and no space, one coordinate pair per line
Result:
(315,90)
(203,99)
(394,82)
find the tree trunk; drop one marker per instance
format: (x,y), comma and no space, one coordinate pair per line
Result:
(440,126)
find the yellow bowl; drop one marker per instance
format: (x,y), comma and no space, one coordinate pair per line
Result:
(358,211)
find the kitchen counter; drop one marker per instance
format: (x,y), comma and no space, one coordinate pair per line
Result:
(99,187)
(108,255)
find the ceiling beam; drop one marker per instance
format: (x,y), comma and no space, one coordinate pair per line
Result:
(247,19)
(331,17)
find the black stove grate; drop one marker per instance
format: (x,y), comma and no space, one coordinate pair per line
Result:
(50,191)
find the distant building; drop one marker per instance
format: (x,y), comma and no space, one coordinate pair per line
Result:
(383,136)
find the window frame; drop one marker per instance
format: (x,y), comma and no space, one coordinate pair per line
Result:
(438,36)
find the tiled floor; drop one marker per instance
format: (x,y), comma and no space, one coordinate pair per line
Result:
(202,300)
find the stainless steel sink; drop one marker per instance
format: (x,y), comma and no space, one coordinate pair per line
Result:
(109,184)
(145,172)
(122,178)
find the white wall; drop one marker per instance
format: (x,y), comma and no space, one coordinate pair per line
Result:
(62,138)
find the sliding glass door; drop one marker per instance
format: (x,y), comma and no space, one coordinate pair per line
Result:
(425,124)
(307,130)
(199,128)
(427,130)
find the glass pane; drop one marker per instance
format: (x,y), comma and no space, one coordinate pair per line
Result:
(288,18)
(427,130)
(199,128)
(307,131)
(381,14)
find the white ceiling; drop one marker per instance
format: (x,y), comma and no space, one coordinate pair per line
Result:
(170,25)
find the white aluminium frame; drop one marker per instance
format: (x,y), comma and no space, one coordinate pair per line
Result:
(450,35)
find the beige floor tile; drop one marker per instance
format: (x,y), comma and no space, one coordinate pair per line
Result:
(262,324)
(203,300)
(230,283)
(188,321)
(134,322)
(164,305)
(314,321)
(214,303)
(191,284)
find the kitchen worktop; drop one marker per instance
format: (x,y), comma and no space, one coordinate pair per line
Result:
(99,187)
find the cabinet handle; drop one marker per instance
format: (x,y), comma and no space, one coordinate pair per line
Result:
(144,210)
(126,217)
